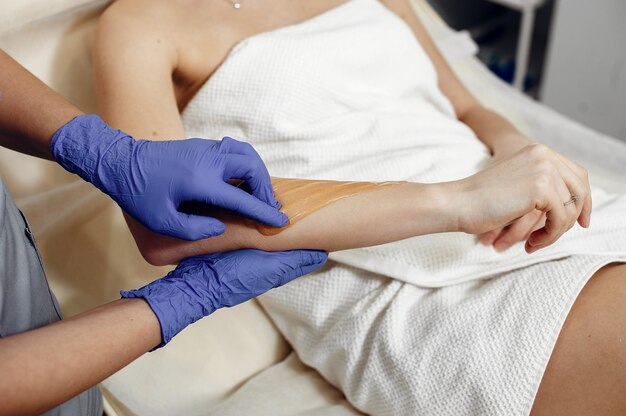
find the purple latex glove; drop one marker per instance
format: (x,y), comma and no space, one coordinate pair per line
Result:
(201,285)
(150,179)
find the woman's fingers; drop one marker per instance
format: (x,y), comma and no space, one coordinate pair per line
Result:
(489,237)
(585,215)
(518,231)
(584,198)
(559,216)
(571,184)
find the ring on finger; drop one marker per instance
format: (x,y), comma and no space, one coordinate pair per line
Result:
(572,200)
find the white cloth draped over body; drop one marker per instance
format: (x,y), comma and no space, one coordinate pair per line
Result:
(436,324)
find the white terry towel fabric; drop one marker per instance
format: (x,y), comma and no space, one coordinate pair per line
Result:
(351,95)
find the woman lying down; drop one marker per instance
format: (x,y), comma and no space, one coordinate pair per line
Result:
(356,91)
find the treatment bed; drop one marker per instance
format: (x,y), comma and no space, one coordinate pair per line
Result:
(235,362)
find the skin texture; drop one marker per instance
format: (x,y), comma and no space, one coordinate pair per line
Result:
(184,41)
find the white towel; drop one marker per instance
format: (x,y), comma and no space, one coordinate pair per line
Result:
(404,328)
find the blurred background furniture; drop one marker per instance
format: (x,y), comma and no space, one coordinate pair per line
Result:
(568,54)
(585,75)
(527,9)
(511,35)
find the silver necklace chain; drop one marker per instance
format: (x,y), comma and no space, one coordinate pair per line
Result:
(235,3)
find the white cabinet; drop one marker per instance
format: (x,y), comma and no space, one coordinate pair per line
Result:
(585,76)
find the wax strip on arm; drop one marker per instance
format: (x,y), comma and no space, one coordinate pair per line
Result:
(300,198)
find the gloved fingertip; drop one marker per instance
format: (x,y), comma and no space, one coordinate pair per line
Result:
(311,259)
(130,294)
(195,227)
(322,257)
(273,217)
(217,229)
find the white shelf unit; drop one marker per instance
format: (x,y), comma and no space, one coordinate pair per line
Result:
(527,8)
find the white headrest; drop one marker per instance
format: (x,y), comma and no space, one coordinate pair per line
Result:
(16,14)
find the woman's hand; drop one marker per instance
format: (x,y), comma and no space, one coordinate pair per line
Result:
(512,189)
(503,238)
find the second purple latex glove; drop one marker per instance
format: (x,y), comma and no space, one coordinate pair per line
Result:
(150,179)
(201,285)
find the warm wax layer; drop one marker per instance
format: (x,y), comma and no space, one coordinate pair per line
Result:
(301,198)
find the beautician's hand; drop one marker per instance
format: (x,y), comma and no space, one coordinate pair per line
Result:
(201,285)
(503,238)
(150,179)
(534,178)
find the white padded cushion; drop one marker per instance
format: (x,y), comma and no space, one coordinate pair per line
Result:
(16,14)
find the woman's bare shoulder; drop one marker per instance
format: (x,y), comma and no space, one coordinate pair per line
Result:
(160,32)
(130,23)
(130,28)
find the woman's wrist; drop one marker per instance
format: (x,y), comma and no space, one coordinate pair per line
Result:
(437,203)
(509,144)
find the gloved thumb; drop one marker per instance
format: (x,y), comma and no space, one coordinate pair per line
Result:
(301,262)
(196,227)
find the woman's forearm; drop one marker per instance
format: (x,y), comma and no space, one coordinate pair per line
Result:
(371,218)
(492,129)
(47,366)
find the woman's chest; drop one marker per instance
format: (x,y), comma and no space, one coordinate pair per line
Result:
(214,28)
